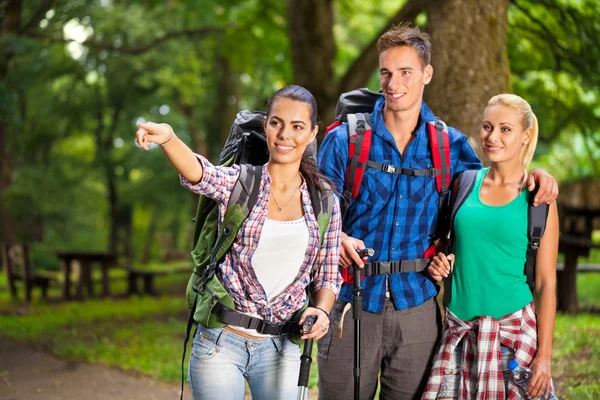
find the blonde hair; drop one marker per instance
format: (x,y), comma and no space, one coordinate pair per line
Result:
(529,122)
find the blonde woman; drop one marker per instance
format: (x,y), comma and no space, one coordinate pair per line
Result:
(492,316)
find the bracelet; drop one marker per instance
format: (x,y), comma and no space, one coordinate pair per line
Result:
(167,141)
(326,313)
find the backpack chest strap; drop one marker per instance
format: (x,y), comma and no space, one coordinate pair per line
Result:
(392,267)
(392,169)
(235,318)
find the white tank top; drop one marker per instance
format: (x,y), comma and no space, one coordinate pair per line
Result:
(278,258)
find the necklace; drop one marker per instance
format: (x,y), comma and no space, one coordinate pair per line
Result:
(279,208)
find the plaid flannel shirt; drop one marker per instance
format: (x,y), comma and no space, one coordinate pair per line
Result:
(481,346)
(235,271)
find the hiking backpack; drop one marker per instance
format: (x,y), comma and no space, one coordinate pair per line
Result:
(354,108)
(536,225)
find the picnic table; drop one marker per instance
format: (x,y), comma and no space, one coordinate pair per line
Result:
(577,226)
(87,261)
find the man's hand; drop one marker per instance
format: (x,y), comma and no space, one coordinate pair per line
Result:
(546,184)
(348,254)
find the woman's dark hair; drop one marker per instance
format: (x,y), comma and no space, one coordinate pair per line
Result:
(308,165)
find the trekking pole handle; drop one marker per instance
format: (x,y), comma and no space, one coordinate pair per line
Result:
(308,323)
(368,252)
(305,361)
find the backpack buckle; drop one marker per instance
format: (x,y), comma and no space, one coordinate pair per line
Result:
(388,168)
(266,328)
(535,243)
(439,124)
(433,172)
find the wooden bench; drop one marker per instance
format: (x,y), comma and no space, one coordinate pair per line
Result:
(17,265)
(577,226)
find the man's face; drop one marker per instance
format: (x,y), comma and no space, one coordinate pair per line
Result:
(403,78)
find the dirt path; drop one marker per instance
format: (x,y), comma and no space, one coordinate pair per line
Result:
(28,374)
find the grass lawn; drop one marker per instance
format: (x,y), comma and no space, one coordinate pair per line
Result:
(145,334)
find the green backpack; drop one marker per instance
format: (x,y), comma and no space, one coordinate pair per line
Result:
(245,146)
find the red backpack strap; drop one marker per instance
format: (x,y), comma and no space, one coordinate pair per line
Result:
(332,127)
(439,142)
(359,145)
(440,152)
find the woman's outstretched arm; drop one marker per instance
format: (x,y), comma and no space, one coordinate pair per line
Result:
(179,154)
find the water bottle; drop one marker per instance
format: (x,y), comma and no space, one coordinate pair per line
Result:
(522,376)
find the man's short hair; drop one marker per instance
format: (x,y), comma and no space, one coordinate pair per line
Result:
(405,35)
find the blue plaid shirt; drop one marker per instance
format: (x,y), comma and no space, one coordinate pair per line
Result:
(395,215)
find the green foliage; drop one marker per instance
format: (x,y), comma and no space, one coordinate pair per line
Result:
(553,49)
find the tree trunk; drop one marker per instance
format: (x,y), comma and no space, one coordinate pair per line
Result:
(469,59)
(228,97)
(9,25)
(113,206)
(313,51)
(147,249)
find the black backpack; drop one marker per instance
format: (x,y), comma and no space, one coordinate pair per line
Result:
(536,225)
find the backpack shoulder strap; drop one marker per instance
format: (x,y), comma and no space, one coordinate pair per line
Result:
(465,181)
(322,202)
(359,145)
(536,226)
(439,143)
(244,195)
(245,191)
(461,188)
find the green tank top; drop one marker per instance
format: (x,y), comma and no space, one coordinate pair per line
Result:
(490,246)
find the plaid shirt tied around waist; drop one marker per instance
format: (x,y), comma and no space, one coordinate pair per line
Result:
(235,271)
(481,345)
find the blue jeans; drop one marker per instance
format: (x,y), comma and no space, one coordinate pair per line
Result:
(449,388)
(222,360)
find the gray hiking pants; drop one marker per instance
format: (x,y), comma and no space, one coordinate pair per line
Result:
(397,346)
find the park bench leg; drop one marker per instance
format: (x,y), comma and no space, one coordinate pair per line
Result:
(66,287)
(105,280)
(149,284)
(132,287)
(44,287)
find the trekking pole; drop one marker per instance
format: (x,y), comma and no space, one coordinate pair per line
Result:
(356,312)
(305,359)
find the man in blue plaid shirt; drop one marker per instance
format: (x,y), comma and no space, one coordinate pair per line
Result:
(396,215)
